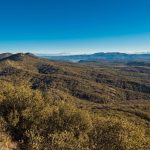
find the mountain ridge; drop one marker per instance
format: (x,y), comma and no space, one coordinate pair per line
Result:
(111,56)
(4,55)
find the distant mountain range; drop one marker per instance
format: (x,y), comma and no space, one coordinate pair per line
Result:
(116,56)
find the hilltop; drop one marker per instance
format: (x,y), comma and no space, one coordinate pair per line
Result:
(4,55)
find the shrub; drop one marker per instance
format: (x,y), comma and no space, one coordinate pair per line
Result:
(114,134)
(36,123)
(5,139)
(66,117)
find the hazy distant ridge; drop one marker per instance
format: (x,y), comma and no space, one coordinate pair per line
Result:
(101,56)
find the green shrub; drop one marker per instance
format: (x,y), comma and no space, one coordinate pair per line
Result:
(5,139)
(35,124)
(114,134)
(66,117)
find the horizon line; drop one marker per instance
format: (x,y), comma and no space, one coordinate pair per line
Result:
(71,54)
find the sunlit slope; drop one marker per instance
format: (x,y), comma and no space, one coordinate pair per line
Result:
(92,82)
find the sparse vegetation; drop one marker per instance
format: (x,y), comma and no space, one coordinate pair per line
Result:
(66,108)
(37,123)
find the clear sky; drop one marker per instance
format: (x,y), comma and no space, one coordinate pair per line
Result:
(74,26)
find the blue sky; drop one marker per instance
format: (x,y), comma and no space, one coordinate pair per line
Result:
(74,26)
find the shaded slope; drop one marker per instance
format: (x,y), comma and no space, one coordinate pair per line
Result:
(5,55)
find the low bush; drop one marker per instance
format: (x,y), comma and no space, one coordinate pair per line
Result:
(35,123)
